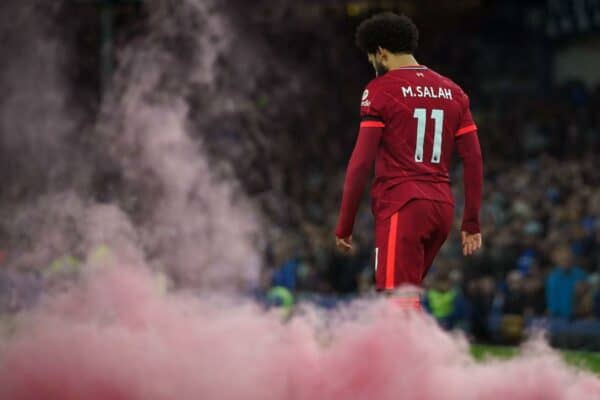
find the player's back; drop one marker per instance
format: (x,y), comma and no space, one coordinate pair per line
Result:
(423,112)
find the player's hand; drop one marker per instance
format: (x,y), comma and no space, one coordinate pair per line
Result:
(471,242)
(344,244)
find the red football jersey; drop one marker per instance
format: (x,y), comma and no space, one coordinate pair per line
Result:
(422,113)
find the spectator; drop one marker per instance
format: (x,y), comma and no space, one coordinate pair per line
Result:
(513,308)
(480,297)
(533,287)
(282,297)
(585,296)
(595,295)
(514,296)
(444,301)
(562,283)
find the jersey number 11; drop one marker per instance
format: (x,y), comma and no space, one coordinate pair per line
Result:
(438,117)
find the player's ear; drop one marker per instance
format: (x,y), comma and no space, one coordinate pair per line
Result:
(383,53)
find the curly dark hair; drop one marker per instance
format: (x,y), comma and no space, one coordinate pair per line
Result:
(393,32)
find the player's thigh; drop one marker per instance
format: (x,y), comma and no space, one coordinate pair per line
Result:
(399,249)
(382,233)
(443,215)
(410,261)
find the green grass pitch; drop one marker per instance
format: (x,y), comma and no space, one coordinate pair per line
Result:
(581,359)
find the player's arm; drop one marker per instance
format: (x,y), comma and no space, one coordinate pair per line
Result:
(357,175)
(469,150)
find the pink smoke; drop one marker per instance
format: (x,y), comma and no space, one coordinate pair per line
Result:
(116,336)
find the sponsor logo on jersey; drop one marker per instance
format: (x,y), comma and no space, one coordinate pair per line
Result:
(365,102)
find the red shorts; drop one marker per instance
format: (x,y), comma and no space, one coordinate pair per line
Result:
(408,241)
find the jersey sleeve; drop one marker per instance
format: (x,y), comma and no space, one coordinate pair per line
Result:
(469,150)
(372,107)
(357,175)
(362,159)
(466,124)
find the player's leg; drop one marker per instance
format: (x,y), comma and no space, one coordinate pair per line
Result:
(382,235)
(399,250)
(441,222)
(399,255)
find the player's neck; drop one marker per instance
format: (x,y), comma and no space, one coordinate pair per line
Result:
(402,61)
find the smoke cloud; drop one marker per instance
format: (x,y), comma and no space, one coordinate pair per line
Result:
(117,337)
(147,299)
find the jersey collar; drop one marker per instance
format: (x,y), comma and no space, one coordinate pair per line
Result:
(410,67)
